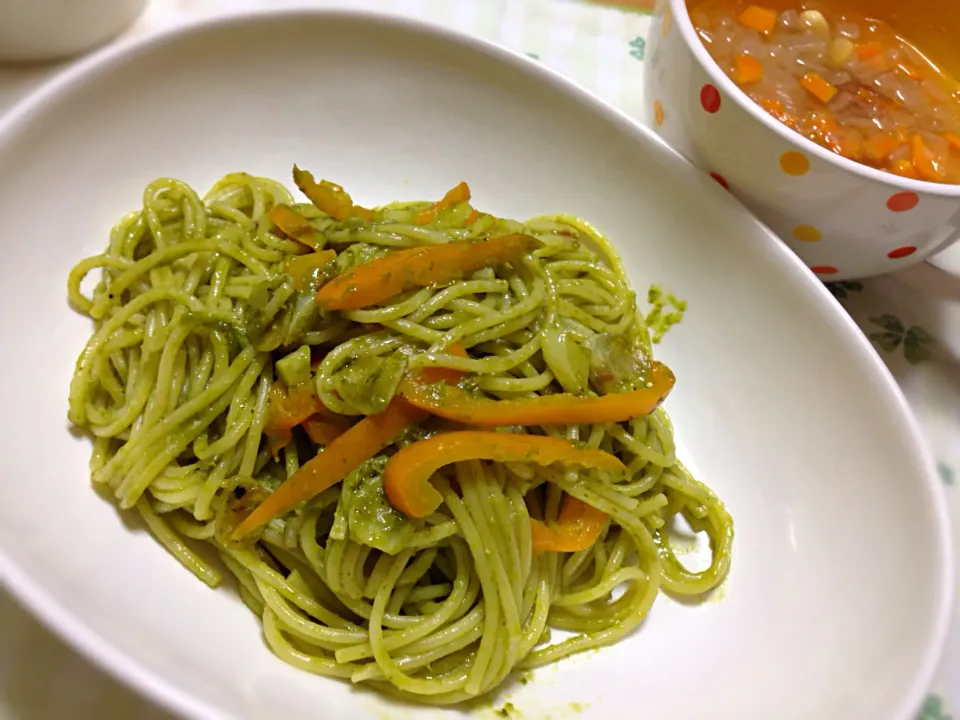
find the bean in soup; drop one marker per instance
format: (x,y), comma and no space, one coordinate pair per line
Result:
(849,83)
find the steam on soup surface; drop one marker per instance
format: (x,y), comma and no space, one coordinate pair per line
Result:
(850,84)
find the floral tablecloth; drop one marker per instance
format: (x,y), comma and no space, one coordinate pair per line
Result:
(912,318)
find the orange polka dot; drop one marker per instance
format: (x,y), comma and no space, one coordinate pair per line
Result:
(902,201)
(901,252)
(658,112)
(824,269)
(794,162)
(807,233)
(667,21)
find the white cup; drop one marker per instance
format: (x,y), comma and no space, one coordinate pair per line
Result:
(32,30)
(843,219)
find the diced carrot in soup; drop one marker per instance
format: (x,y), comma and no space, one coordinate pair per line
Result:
(777,109)
(904,168)
(849,143)
(880,146)
(748,69)
(814,84)
(845,81)
(758,18)
(865,51)
(926,162)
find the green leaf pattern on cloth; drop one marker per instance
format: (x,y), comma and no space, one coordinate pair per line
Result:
(638,46)
(947,473)
(917,343)
(933,709)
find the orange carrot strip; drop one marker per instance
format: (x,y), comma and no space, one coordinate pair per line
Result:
(867,50)
(323,431)
(472,217)
(578,527)
(758,18)
(295,226)
(747,69)
(338,459)
(452,403)
(301,267)
(334,462)
(379,280)
(407,475)
(329,197)
(879,147)
(927,164)
(459,194)
(288,408)
(818,87)
(953,139)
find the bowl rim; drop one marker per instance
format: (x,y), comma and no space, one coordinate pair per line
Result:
(166,694)
(682,19)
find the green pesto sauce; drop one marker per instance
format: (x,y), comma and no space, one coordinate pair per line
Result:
(366,516)
(666,310)
(368,384)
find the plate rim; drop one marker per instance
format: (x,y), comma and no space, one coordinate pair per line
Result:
(165,694)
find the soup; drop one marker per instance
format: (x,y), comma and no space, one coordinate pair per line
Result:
(846,81)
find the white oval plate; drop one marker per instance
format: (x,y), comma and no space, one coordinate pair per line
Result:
(837,602)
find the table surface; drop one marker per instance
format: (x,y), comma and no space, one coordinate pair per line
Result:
(912,317)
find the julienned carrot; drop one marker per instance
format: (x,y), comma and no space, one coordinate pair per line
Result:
(758,18)
(338,459)
(814,84)
(377,281)
(295,226)
(578,527)
(452,403)
(329,197)
(953,139)
(747,69)
(459,194)
(301,267)
(407,475)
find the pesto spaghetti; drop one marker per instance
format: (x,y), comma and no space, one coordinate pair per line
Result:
(427,441)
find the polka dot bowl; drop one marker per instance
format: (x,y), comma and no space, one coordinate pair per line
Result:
(843,219)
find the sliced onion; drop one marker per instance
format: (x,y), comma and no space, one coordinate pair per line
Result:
(848,30)
(567,358)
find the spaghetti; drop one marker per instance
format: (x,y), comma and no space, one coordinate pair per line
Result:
(214,375)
